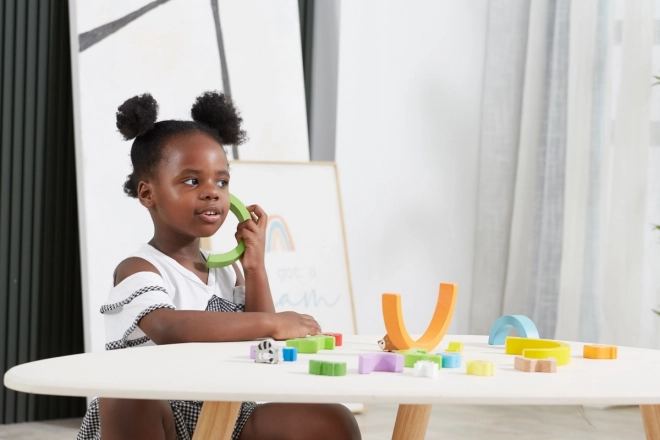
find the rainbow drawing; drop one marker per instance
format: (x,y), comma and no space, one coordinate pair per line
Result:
(278,237)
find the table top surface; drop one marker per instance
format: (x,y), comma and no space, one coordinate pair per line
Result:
(225,372)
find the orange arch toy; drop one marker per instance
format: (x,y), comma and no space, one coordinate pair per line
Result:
(396,329)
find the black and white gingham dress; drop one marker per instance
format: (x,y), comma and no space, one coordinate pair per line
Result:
(176,288)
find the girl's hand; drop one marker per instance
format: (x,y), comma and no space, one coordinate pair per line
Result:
(290,325)
(254,233)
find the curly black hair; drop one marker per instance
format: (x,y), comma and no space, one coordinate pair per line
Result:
(212,113)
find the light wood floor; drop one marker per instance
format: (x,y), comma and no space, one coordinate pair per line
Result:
(447,423)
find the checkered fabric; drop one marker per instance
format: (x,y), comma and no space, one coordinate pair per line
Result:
(186,413)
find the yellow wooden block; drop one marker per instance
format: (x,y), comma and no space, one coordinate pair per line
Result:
(480,368)
(455,347)
(599,351)
(539,349)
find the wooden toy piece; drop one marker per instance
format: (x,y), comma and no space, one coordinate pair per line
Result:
(413,355)
(500,329)
(455,347)
(266,353)
(385,344)
(221,260)
(539,349)
(389,362)
(253,351)
(451,360)
(338,338)
(426,369)
(324,368)
(325,342)
(595,351)
(396,329)
(480,368)
(548,365)
(289,354)
(413,351)
(304,345)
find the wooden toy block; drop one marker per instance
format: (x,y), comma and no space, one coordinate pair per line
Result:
(338,338)
(389,362)
(304,345)
(414,355)
(500,329)
(426,369)
(539,349)
(455,347)
(312,344)
(325,342)
(289,354)
(221,260)
(253,351)
(480,368)
(596,351)
(267,353)
(548,365)
(385,344)
(451,360)
(412,351)
(324,368)
(396,329)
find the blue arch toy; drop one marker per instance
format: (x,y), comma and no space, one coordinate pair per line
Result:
(500,330)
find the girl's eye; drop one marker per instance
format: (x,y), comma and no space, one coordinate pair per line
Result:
(191,181)
(222,183)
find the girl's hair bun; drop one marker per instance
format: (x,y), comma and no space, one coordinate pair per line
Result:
(216,110)
(137,116)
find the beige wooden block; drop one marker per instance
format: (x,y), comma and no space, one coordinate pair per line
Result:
(548,365)
(524,364)
(535,365)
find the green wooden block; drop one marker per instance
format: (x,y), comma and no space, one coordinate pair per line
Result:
(304,345)
(221,260)
(409,359)
(412,351)
(324,368)
(325,342)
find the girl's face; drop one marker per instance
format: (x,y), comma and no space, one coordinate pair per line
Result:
(189,196)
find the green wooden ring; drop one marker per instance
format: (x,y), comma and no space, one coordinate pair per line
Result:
(221,260)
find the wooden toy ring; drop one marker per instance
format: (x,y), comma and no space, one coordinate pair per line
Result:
(221,260)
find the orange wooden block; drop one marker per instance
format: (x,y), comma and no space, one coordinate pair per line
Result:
(599,352)
(396,329)
(548,365)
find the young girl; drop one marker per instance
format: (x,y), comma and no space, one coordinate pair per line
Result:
(164,294)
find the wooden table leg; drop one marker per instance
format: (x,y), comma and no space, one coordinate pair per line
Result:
(411,422)
(217,420)
(651,418)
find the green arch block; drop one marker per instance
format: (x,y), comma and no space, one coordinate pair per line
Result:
(221,260)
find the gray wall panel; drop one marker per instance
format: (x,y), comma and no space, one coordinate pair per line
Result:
(40,290)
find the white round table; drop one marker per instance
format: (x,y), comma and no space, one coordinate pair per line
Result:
(223,375)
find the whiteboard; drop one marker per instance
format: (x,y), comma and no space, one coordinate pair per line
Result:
(306,257)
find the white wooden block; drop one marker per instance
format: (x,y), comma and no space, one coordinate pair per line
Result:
(426,369)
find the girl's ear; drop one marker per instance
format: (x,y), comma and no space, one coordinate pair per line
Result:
(145,194)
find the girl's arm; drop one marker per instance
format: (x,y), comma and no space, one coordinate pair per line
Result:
(257,290)
(167,326)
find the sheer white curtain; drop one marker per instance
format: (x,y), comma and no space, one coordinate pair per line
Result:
(564,164)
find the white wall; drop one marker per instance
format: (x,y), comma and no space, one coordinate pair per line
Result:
(408,116)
